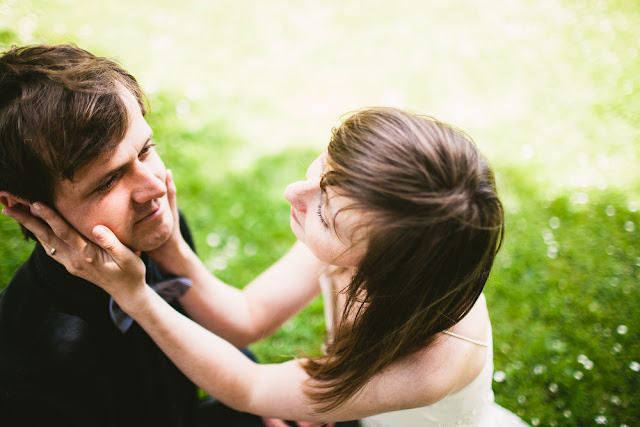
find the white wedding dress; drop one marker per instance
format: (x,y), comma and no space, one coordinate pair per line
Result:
(473,406)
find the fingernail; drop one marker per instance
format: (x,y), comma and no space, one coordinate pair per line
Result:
(36,206)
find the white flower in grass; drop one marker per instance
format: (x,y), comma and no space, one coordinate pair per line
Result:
(601,419)
(499,376)
(578,375)
(236,210)
(615,400)
(213,240)
(231,248)
(586,362)
(535,421)
(250,249)
(539,369)
(634,366)
(622,329)
(183,109)
(219,263)
(629,226)
(567,413)
(610,210)
(553,387)
(617,348)
(554,222)
(580,198)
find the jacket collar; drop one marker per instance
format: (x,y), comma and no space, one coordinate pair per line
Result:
(74,294)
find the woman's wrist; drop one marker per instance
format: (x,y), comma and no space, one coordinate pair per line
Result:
(185,260)
(174,257)
(135,299)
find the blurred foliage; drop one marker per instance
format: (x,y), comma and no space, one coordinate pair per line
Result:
(243,96)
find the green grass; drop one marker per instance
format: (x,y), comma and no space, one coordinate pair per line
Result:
(244,95)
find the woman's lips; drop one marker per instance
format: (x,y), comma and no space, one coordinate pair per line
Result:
(293,214)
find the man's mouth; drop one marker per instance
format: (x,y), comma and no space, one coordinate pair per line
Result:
(157,208)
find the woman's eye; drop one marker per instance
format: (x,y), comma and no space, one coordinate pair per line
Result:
(324,223)
(146,149)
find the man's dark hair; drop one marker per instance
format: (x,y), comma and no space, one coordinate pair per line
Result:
(60,108)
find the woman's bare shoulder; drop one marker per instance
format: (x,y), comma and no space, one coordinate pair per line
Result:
(455,362)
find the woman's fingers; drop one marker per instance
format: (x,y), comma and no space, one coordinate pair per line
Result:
(110,243)
(171,194)
(60,227)
(38,227)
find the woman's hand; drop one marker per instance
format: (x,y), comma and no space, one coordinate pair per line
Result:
(112,266)
(170,255)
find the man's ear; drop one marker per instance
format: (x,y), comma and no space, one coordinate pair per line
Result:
(11,201)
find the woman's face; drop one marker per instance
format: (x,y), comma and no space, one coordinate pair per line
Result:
(315,222)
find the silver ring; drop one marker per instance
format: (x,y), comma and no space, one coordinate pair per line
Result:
(52,251)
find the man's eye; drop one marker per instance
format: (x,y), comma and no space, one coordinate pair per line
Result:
(108,185)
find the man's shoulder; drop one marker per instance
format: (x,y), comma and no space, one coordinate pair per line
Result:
(31,324)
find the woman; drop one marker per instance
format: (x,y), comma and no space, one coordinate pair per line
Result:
(403,210)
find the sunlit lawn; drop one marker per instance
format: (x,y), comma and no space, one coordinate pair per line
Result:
(244,95)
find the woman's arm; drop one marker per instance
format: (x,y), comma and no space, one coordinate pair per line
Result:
(273,390)
(276,390)
(260,308)
(240,316)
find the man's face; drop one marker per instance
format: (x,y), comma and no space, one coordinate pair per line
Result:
(124,190)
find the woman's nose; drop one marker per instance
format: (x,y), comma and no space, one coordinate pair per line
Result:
(298,194)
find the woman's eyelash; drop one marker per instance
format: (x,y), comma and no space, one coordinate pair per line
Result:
(147,148)
(320,216)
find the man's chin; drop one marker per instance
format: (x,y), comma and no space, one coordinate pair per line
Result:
(151,241)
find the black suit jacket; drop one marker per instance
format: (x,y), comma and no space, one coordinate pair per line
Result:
(63,362)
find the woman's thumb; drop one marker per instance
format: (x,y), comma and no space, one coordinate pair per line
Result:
(109,242)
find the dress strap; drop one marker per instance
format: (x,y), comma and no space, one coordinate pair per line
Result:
(453,334)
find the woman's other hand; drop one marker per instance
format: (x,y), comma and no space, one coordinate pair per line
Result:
(171,254)
(109,264)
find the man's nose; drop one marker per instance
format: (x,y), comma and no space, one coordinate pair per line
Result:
(298,194)
(147,185)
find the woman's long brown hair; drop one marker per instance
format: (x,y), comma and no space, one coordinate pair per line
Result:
(436,226)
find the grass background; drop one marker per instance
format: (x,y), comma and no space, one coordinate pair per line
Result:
(244,94)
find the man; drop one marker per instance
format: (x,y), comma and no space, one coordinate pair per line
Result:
(73,136)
